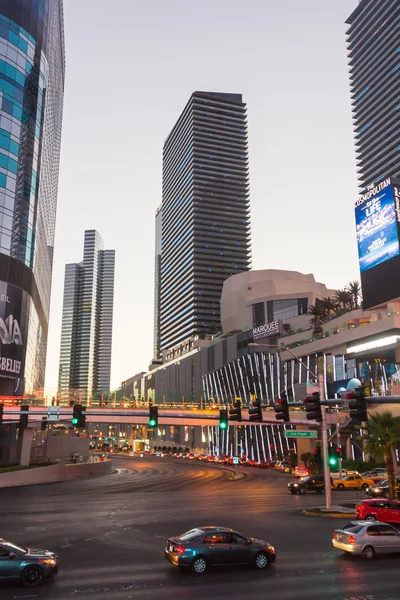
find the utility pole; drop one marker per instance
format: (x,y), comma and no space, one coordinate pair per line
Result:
(327,474)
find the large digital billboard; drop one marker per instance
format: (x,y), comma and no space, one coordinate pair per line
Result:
(377,233)
(377,214)
(12,331)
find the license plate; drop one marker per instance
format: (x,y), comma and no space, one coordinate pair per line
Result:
(171,548)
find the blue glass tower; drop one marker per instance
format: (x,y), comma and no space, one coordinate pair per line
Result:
(32,68)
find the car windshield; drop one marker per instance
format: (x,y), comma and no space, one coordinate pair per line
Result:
(190,535)
(15,548)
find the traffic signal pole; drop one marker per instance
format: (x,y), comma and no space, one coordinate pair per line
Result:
(324,432)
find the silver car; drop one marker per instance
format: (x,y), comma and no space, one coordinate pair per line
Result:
(367,539)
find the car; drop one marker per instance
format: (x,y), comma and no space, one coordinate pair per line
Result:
(367,539)
(300,472)
(311,483)
(381,489)
(386,511)
(211,546)
(29,565)
(352,482)
(376,474)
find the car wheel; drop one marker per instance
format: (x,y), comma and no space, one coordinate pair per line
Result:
(261,560)
(32,576)
(340,486)
(370,518)
(368,552)
(199,565)
(364,486)
(302,490)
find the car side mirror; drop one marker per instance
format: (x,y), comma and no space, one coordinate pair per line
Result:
(12,555)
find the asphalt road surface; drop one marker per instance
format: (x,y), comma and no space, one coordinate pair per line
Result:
(110,533)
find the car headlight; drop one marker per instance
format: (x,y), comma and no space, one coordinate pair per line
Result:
(296,485)
(49,561)
(270,548)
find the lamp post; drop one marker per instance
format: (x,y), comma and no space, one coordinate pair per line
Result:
(320,379)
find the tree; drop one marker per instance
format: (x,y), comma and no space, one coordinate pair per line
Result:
(329,305)
(343,297)
(355,290)
(381,437)
(309,461)
(316,311)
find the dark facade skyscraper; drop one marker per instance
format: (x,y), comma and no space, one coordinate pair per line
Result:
(32,68)
(86,331)
(157,285)
(205,214)
(374,63)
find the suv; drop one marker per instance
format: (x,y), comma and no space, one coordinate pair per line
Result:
(311,483)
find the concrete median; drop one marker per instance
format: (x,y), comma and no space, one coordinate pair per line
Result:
(59,472)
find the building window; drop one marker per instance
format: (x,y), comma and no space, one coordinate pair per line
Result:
(258,314)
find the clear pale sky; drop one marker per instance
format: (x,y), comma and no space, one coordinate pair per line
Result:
(131,67)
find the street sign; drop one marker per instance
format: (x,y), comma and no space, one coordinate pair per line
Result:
(235,460)
(300,434)
(53,413)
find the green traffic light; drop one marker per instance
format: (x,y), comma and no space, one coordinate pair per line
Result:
(223,425)
(332,461)
(74,421)
(152,423)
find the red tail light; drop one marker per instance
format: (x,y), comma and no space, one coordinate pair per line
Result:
(335,535)
(351,539)
(180,549)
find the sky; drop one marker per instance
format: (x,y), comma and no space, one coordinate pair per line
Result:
(131,67)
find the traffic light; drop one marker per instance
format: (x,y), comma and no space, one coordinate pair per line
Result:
(79,417)
(318,456)
(313,407)
(223,419)
(358,405)
(281,409)
(339,453)
(23,419)
(255,411)
(333,458)
(1,412)
(43,424)
(153,417)
(235,413)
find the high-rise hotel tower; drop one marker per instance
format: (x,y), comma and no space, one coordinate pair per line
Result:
(205,220)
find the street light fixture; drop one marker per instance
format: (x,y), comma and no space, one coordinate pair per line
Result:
(320,379)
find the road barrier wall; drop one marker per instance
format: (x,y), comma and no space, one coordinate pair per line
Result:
(60,472)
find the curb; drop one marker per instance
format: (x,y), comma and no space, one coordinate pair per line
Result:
(324,515)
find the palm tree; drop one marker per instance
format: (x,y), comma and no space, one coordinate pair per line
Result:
(329,305)
(316,311)
(382,437)
(355,290)
(343,297)
(309,461)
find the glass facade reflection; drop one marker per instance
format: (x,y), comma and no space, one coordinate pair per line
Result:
(86,334)
(32,68)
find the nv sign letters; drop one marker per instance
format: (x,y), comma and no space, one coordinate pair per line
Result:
(266,330)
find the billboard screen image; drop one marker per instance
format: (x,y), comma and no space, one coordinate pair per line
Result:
(377,233)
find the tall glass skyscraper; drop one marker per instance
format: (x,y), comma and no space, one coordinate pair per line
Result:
(374,62)
(86,330)
(205,224)
(32,69)
(157,285)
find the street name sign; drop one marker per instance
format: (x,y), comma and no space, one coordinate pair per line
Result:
(301,434)
(235,460)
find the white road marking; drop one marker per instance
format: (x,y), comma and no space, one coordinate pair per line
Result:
(66,546)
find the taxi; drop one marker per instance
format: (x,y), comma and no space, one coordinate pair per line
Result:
(351,482)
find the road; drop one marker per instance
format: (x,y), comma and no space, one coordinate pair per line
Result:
(110,534)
